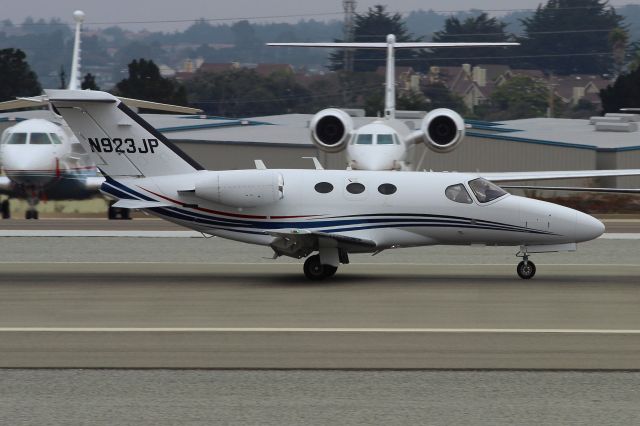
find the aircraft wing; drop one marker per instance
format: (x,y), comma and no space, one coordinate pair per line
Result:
(5,185)
(137,103)
(566,174)
(310,239)
(575,189)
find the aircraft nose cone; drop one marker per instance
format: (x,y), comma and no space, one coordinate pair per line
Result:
(588,227)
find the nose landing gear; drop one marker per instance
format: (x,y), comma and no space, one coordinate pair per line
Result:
(526,269)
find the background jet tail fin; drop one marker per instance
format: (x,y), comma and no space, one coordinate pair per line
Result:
(119,141)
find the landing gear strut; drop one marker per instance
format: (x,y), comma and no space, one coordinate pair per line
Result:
(5,209)
(32,212)
(526,269)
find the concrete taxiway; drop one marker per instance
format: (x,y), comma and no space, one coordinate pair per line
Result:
(211,303)
(181,315)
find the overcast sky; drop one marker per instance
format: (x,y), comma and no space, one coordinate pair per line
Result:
(119,11)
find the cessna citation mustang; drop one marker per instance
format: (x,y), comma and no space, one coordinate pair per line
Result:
(300,212)
(385,143)
(43,160)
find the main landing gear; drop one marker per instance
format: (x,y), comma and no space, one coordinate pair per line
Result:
(32,210)
(5,209)
(325,264)
(526,269)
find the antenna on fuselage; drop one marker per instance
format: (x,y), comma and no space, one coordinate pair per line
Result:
(74,79)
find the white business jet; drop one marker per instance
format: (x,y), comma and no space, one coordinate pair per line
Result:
(385,143)
(43,160)
(332,212)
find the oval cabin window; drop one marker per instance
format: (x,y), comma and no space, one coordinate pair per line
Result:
(387,189)
(323,187)
(355,188)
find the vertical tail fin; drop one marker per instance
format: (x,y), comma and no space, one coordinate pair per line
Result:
(74,79)
(119,141)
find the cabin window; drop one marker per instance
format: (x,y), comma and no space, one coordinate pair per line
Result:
(385,140)
(486,191)
(458,193)
(355,188)
(387,189)
(39,139)
(17,139)
(56,140)
(365,139)
(323,187)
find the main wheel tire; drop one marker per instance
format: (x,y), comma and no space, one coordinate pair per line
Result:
(5,209)
(526,271)
(28,215)
(34,215)
(329,270)
(313,269)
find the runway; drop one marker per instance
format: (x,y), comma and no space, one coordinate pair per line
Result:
(211,303)
(267,316)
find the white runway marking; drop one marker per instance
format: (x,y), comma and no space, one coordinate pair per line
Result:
(311,330)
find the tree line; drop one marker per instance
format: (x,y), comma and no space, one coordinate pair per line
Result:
(560,37)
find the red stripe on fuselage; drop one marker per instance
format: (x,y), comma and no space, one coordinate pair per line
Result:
(243,216)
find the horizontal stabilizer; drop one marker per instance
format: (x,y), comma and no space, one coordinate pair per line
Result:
(157,106)
(411,45)
(22,103)
(140,204)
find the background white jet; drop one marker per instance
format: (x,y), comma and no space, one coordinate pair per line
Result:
(43,160)
(385,143)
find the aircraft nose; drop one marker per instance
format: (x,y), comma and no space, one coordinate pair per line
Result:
(588,227)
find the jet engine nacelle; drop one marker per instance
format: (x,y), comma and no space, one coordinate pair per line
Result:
(241,188)
(331,129)
(442,129)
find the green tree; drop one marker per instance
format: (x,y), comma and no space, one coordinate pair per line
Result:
(244,93)
(520,97)
(618,39)
(374,26)
(439,96)
(624,93)
(570,36)
(479,28)
(89,82)
(146,83)
(16,77)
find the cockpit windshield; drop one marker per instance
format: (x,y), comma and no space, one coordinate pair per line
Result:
(17,139)
(486,191)
(39,139)
(364,139)
(385,140)
(458,193)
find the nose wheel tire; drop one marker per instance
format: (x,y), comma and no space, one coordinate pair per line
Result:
(526,270)
(316,271)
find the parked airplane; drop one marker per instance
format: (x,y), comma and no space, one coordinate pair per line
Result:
(385,143)
(331,212)
(43,160)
